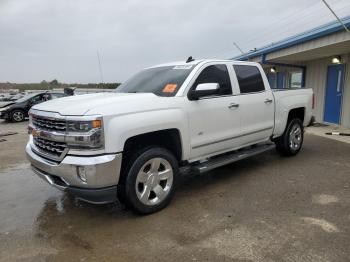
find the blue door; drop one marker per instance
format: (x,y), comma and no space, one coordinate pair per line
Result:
(280,80)
(272,80)
(334,92)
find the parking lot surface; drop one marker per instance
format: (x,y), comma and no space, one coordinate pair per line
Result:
(265,208)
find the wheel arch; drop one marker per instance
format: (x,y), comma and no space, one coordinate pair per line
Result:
(284,118)
(167,138)
(298,112)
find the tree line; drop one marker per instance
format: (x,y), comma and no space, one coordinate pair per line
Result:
(44,85)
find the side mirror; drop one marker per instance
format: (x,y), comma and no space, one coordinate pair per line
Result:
(202,90)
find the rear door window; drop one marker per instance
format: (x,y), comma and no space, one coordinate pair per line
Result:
(249,79)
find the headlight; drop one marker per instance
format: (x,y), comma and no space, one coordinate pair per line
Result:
(85,134)
(4,109)
(83,126)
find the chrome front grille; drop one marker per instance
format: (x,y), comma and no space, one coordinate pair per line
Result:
(49,123)
(51,148)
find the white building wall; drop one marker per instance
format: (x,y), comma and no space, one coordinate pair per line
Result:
(346,95)
(316,77)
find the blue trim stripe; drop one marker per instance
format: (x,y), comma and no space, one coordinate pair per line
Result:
(312,34)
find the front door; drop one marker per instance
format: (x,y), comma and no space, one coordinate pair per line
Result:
(213,125)
(214,121)
(334,92)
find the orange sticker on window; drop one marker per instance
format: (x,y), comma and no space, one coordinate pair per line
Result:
(170,88)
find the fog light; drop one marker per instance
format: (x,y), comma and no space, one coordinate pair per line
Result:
(81,172)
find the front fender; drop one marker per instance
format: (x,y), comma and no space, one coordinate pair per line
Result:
(121,127)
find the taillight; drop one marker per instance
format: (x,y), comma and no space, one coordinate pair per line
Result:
(313,101)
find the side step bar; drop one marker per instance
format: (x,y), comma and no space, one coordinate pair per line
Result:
(230,158)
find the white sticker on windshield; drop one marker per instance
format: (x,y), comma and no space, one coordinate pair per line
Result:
(186,67)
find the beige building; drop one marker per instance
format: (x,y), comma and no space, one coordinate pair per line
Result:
(318,58)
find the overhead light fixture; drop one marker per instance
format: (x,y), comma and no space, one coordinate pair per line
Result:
(273,70)
(336,60)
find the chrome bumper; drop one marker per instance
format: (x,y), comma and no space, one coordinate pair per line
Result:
(100,171)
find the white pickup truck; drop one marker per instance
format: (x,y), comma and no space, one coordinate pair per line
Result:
(188,116)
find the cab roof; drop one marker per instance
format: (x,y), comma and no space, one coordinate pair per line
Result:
(197,61)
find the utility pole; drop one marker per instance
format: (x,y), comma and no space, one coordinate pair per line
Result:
(339,20)
(99,66)
(237,46)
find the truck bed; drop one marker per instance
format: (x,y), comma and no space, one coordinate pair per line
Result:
(285,99)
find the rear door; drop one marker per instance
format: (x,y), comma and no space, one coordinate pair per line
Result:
(214,121)
(256,105)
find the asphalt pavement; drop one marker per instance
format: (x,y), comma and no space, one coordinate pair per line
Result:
(266,208)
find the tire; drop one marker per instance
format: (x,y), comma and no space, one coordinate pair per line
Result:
(290,143)
(149,180)
(17,116)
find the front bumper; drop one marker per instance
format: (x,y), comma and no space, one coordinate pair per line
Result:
(4,115)
(101,173)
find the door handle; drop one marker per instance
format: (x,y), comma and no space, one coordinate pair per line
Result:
(233,105)
(268,101)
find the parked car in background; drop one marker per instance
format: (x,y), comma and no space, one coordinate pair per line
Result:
(17,110)
(17,96)
(9,97)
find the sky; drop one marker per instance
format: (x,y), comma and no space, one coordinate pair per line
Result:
(50,39)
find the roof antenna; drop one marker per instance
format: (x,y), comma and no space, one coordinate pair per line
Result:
(237,46)
(190,59)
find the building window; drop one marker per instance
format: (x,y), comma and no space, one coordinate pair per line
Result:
(272,80)
(295,79)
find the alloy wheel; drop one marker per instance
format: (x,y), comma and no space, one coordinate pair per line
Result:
(295,137)
(18,116)
(154,181)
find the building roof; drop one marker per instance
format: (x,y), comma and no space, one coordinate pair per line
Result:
(312,34)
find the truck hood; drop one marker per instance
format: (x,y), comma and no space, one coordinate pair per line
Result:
(100,103)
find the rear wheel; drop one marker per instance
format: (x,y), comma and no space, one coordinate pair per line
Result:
(290,143)
(149,181)
(17,116)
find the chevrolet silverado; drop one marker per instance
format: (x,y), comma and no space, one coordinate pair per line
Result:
(169,119)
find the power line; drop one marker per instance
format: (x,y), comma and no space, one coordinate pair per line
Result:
(306,18)
(307,22)
(272,26)
(284,25)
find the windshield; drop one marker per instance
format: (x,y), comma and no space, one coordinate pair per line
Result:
(161,81)
(25,98)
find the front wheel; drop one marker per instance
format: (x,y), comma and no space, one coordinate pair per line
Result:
(17,116)
(150,181)
(290,143)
